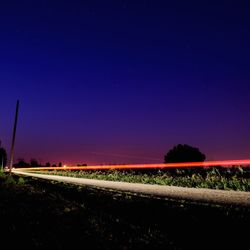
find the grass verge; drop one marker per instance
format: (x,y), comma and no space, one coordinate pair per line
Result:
(213,178)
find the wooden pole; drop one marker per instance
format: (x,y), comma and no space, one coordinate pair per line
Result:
(14,137)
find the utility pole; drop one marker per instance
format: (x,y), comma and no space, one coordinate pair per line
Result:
(1,156)
(14,137)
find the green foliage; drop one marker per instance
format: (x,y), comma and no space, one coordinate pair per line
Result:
(21,181)
(2,174)
(213,178)
(9,180)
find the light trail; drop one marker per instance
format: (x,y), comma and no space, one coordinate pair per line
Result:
(225,163)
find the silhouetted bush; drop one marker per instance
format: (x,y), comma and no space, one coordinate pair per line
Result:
(184,153)
(3,157)
(21,164)
(34,163)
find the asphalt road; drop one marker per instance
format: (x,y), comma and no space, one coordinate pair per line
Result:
(237,198)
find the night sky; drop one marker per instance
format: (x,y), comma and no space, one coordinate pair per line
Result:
(124,81)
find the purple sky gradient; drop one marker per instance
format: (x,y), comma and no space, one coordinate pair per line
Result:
(122,82)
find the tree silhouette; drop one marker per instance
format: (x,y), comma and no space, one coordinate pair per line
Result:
(59,164)
(21,163)
(3,157)
(34,162)
(184,153)
(47,164)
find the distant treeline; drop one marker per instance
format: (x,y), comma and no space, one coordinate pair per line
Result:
(34,163)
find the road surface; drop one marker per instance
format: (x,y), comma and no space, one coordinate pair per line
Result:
(237,198)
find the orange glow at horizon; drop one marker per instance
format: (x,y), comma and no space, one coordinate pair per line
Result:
(224,163)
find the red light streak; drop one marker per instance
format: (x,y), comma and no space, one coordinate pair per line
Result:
(224,163)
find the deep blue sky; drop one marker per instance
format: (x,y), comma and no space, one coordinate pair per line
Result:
(125,81)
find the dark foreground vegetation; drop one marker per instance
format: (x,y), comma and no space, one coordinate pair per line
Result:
(45,215)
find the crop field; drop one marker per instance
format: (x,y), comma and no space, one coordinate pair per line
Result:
(234,178)
(41,214)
